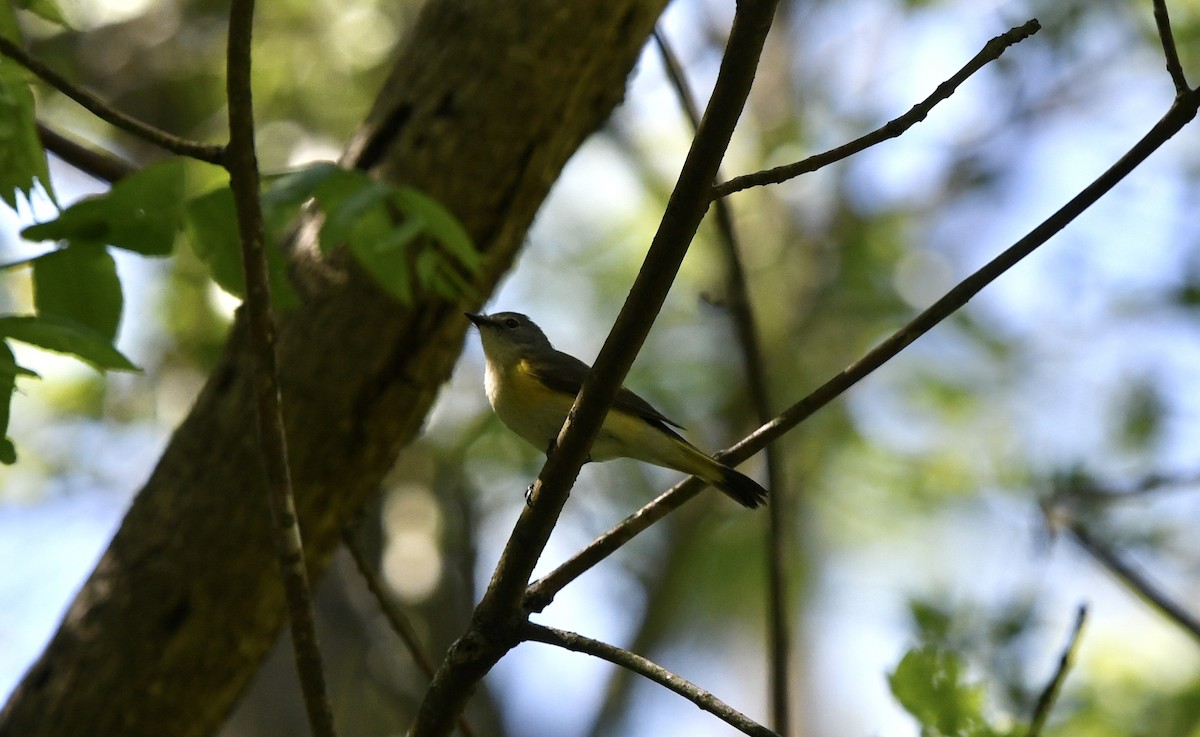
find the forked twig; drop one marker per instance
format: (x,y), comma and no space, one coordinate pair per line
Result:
(1170,51)
(893,128)
(109,114)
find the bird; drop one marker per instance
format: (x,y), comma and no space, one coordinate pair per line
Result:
(531,386)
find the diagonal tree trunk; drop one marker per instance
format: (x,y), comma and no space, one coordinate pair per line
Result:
(487,102)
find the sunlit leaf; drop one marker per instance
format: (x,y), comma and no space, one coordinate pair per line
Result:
(387,259)
(22,160)
(64,336)
(45,9)
(296,187)
(362,216)
(79,283)
(928,684)
(140,213)
(210,223)
(10,367)
(441,225)
(379,224)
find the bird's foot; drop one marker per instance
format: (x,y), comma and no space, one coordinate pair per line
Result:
(529,496)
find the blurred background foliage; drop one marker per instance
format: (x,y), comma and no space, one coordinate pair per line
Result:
(912,503)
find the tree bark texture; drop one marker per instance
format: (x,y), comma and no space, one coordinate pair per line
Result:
(487,102)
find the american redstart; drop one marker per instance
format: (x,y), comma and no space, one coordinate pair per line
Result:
(532,386)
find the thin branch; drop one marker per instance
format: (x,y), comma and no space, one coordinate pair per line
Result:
(746,331)
(109,114)
(1050,693)
(643,667)
(396,618)
(1086,490)
(99,164)
(493,628)
(893,128)
(244,181)
(1135,580)
(1174,68)
(1181,112)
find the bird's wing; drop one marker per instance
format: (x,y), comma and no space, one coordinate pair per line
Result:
(565,373)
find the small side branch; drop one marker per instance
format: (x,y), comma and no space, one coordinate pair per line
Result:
(1170,51)
(1135,580)
(395,617)
(109,114)
(1050,693)
(99,164)
(648,669)
(893,128)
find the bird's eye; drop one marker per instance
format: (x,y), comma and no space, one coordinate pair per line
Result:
(511,323)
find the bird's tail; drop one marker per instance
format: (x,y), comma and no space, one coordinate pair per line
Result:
(743,489)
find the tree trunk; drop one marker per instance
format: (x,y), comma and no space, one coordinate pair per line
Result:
(487,102)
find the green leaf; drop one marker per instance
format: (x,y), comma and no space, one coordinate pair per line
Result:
(45,9)
(358,218)
(10,367)
(79,283)
(927,683)
(293,189)
(210,223)
(8,385)
(65,336)
(141,213)
(22,158)
(379,224)
(441,225)
(285,193)
(387,259)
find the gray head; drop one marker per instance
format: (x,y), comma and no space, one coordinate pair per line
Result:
(509,336)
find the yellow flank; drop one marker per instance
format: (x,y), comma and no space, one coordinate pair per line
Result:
(525,405)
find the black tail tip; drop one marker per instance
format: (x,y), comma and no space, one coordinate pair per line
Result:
(742,489)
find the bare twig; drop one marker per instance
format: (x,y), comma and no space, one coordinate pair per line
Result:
(893,128)
(109,114)
(738,302)
(1174,68)
(396,618)
(99,164)
(1181,112)
(1050,693)
(244,181)
(643,667)
(1085,490)
(1135,580)
(494,626)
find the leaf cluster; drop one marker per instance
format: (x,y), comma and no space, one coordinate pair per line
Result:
(403,238)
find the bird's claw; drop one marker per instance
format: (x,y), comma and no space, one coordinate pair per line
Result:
(529,496)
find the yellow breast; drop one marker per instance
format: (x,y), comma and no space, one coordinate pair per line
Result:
(525,405)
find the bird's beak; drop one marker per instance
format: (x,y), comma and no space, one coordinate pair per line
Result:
(479,320)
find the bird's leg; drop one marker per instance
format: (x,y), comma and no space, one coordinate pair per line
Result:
(550,448)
